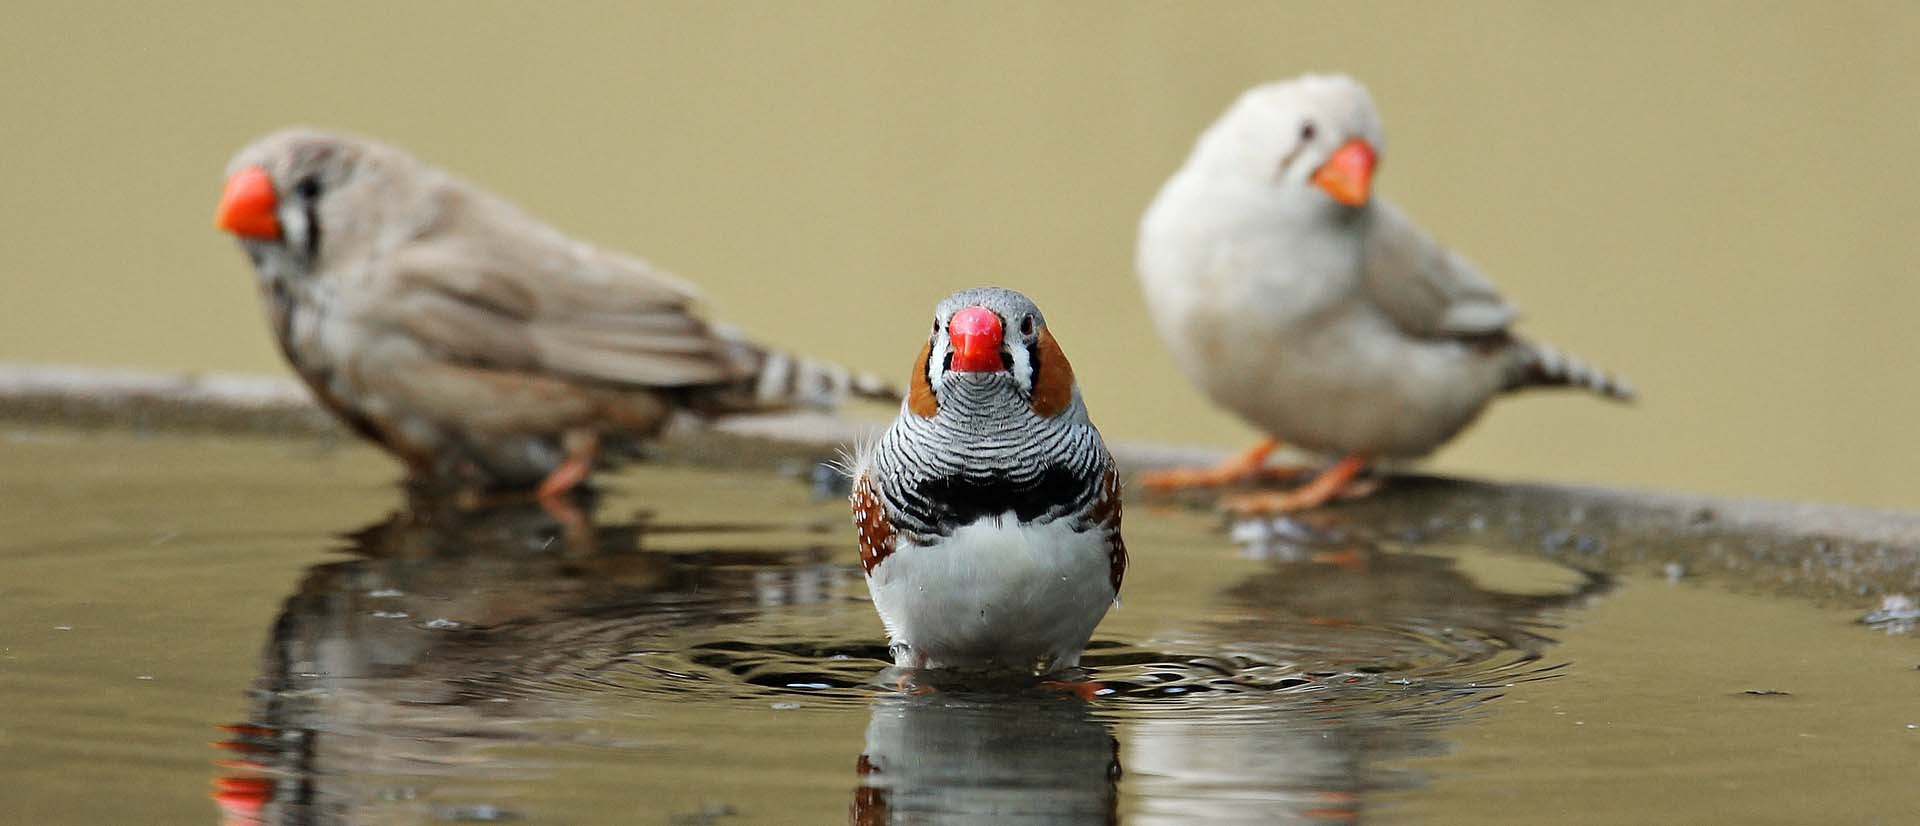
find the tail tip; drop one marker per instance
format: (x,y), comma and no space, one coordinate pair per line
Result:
(1544,366)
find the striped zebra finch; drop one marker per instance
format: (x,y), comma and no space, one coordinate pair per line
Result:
(989,512)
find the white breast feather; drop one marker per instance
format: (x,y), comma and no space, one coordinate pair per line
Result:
(995,593)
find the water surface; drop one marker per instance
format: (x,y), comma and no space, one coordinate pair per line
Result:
(703,653)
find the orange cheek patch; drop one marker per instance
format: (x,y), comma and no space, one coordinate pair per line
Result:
(920,398)
(1053,384)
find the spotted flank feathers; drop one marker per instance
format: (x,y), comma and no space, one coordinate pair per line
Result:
(870,520)
(1104,517)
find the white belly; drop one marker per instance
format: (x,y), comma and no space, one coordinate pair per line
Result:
(1264,309)
(994,594)
(1309,361)
(1353,384)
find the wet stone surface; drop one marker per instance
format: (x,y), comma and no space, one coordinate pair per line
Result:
(699,649)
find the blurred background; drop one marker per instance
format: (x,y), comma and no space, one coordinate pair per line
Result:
(1715,200)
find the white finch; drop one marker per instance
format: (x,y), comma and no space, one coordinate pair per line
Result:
(1295,298)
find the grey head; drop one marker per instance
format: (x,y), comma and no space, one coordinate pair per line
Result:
(991,345)
(301,200)
(993,422)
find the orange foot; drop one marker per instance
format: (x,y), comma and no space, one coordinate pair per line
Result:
(1352,560)
(906,685)
(1086,690)
(576,525)
(1248,466)
(1332,482)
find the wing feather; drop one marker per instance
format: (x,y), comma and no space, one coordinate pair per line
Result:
(1425,288)
(487,285)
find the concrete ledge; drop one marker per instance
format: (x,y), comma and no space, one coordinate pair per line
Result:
(277,406)
(187,402)
(1822,551)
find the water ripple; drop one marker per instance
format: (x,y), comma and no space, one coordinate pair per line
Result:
(439,648)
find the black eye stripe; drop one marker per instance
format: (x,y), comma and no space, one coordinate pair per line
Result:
(926,366)
(1033,369)
(313,228)
(306,193)
(1307,133)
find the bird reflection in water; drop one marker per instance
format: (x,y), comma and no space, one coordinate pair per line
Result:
(455,667)
(1298,695)
(446,632)
(1377,652)
(1032,758)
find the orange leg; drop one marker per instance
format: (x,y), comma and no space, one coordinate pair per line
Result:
(1245,467)
(573,471)
(1331,482)
(553,493)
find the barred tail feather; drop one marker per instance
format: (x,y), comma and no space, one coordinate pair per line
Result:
(778,380)
(1539,365)
(788,380)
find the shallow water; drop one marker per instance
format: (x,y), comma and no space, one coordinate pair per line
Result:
(704,653)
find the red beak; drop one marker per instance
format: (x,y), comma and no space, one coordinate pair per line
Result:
(1347,176)
(247,206)
(975,332)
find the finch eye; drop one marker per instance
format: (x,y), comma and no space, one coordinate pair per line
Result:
(307,188)
(936,324)
(1307,131)
(1026,326)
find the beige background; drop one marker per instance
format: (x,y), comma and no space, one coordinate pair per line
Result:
(1716,200)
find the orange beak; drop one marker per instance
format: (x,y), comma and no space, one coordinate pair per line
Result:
(1348,175)
(975,332)
(247,206)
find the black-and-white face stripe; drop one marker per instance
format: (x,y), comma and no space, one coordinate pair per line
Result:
(1020,326)
(300,217)
(985,452)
